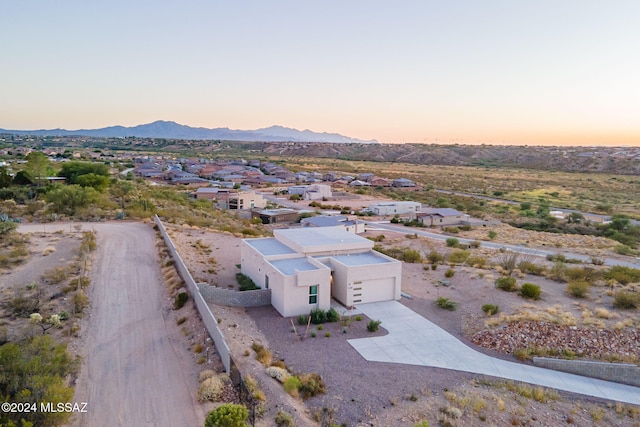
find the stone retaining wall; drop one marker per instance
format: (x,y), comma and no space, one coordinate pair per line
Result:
(617,372)
(233,298)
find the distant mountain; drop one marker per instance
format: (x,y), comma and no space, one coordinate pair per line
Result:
(173,130)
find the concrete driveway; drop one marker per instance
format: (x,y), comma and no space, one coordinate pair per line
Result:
(413,340)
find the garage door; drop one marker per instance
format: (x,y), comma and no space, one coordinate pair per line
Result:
(374,290)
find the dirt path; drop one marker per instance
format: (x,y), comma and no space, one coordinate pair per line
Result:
(134,372)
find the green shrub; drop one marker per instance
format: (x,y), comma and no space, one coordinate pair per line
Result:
(411,256)
(476,261)
(622,274)
(284,419)
(452,242)
(530,268)
(626,300)
(332,315)
(530,291)
(459,256)
(358,318)
(327,334)
(180,300)
(373,325)
(490,309)
(434,266)
(245,282)
(311,385)
(302,320)
(556,258)
(623,250)
(318,316)
(578,288)
(475,244)
(227,415)
(492,234)
(508,284)
(291,385)
(446,304)
(435,257)
(449,273)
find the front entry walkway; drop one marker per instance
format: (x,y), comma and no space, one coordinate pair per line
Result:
(413,340)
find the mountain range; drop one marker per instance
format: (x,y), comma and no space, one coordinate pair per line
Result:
(173,130)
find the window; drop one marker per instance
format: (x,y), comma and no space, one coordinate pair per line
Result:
(266,281)
(313,294)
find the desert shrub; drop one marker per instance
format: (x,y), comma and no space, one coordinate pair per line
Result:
(492,234)
(311,385)
(490,309)
(459,256)
(452,242)
(508,261)
(373,325)
(626,300)
(446,303)
(80,301)
(434,266)
(578,288)
(558,272)
(291,385)
(284,419)
(327,334)
(624,250)
(449,273)
(622,274)
(475,244)
(245,282)
(302,320)
(180,300)
(530,267)
(318,316)
(278,373)
(556,258)
(508,283)
(211,388)
(597,261)
(56,275)
(227,415)
(332,315)
(476,261)
(411,256)
(262,354)
(435,257)
(530,291)
(207,373)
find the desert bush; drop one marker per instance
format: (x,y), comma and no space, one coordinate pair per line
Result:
(278,373)
(558,272)
(318,316)
(475,244)
(227,415)
(597,261)
(626,300)
(476,261)
(80,301)
(180,300)
(434,266)
(373,325)
(622,274)
(446,303)
(56,275)
(291,385)
(556,258)
(508,261)
(578,288)
(411,256)
(449,273)
(311,385)
(508,283)
(452,242)
(302,320)
(332,315)
(262,354)
(435,257)
(492,234)
(490,309)
(459,256)
(245,282)
(284,419)
(530,267)
(211,388)
(530,291)
(207,373)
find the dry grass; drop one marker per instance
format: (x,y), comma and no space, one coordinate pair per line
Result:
(553,314)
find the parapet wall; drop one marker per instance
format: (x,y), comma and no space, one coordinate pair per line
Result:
(254,298)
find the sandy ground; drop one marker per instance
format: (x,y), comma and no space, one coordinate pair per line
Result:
(366,393)
(136,368)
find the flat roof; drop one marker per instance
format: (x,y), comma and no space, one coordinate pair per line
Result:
(366,258)
(313,239)
(269,246)
(290,266)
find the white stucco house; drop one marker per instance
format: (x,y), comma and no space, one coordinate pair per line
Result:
(306,267)
(395,207)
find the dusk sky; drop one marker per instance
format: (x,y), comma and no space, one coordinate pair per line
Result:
(499,72)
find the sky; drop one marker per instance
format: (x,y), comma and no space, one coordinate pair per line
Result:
(542,72)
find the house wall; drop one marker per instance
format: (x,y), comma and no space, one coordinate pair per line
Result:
(344,278)
(395,208)
(292,299)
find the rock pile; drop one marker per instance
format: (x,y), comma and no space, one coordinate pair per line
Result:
(591,343)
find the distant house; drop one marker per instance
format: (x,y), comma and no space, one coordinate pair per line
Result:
(348,224)
(317,192)
(240,200)
(306,267)
(402,182)
(379,182)
(210,193)
(394,208)
(358,183)
(441,216)
(273,216)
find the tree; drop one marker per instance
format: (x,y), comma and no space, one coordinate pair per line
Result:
(575,218)
(69,198)
(5,178)
(120,189)
(227,415)
(73,170)
(99,182)
(38,165)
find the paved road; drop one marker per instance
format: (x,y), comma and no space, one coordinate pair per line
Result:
(414,340)
(131,374)
(372,225)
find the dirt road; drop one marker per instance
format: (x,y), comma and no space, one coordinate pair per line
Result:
(133,373)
